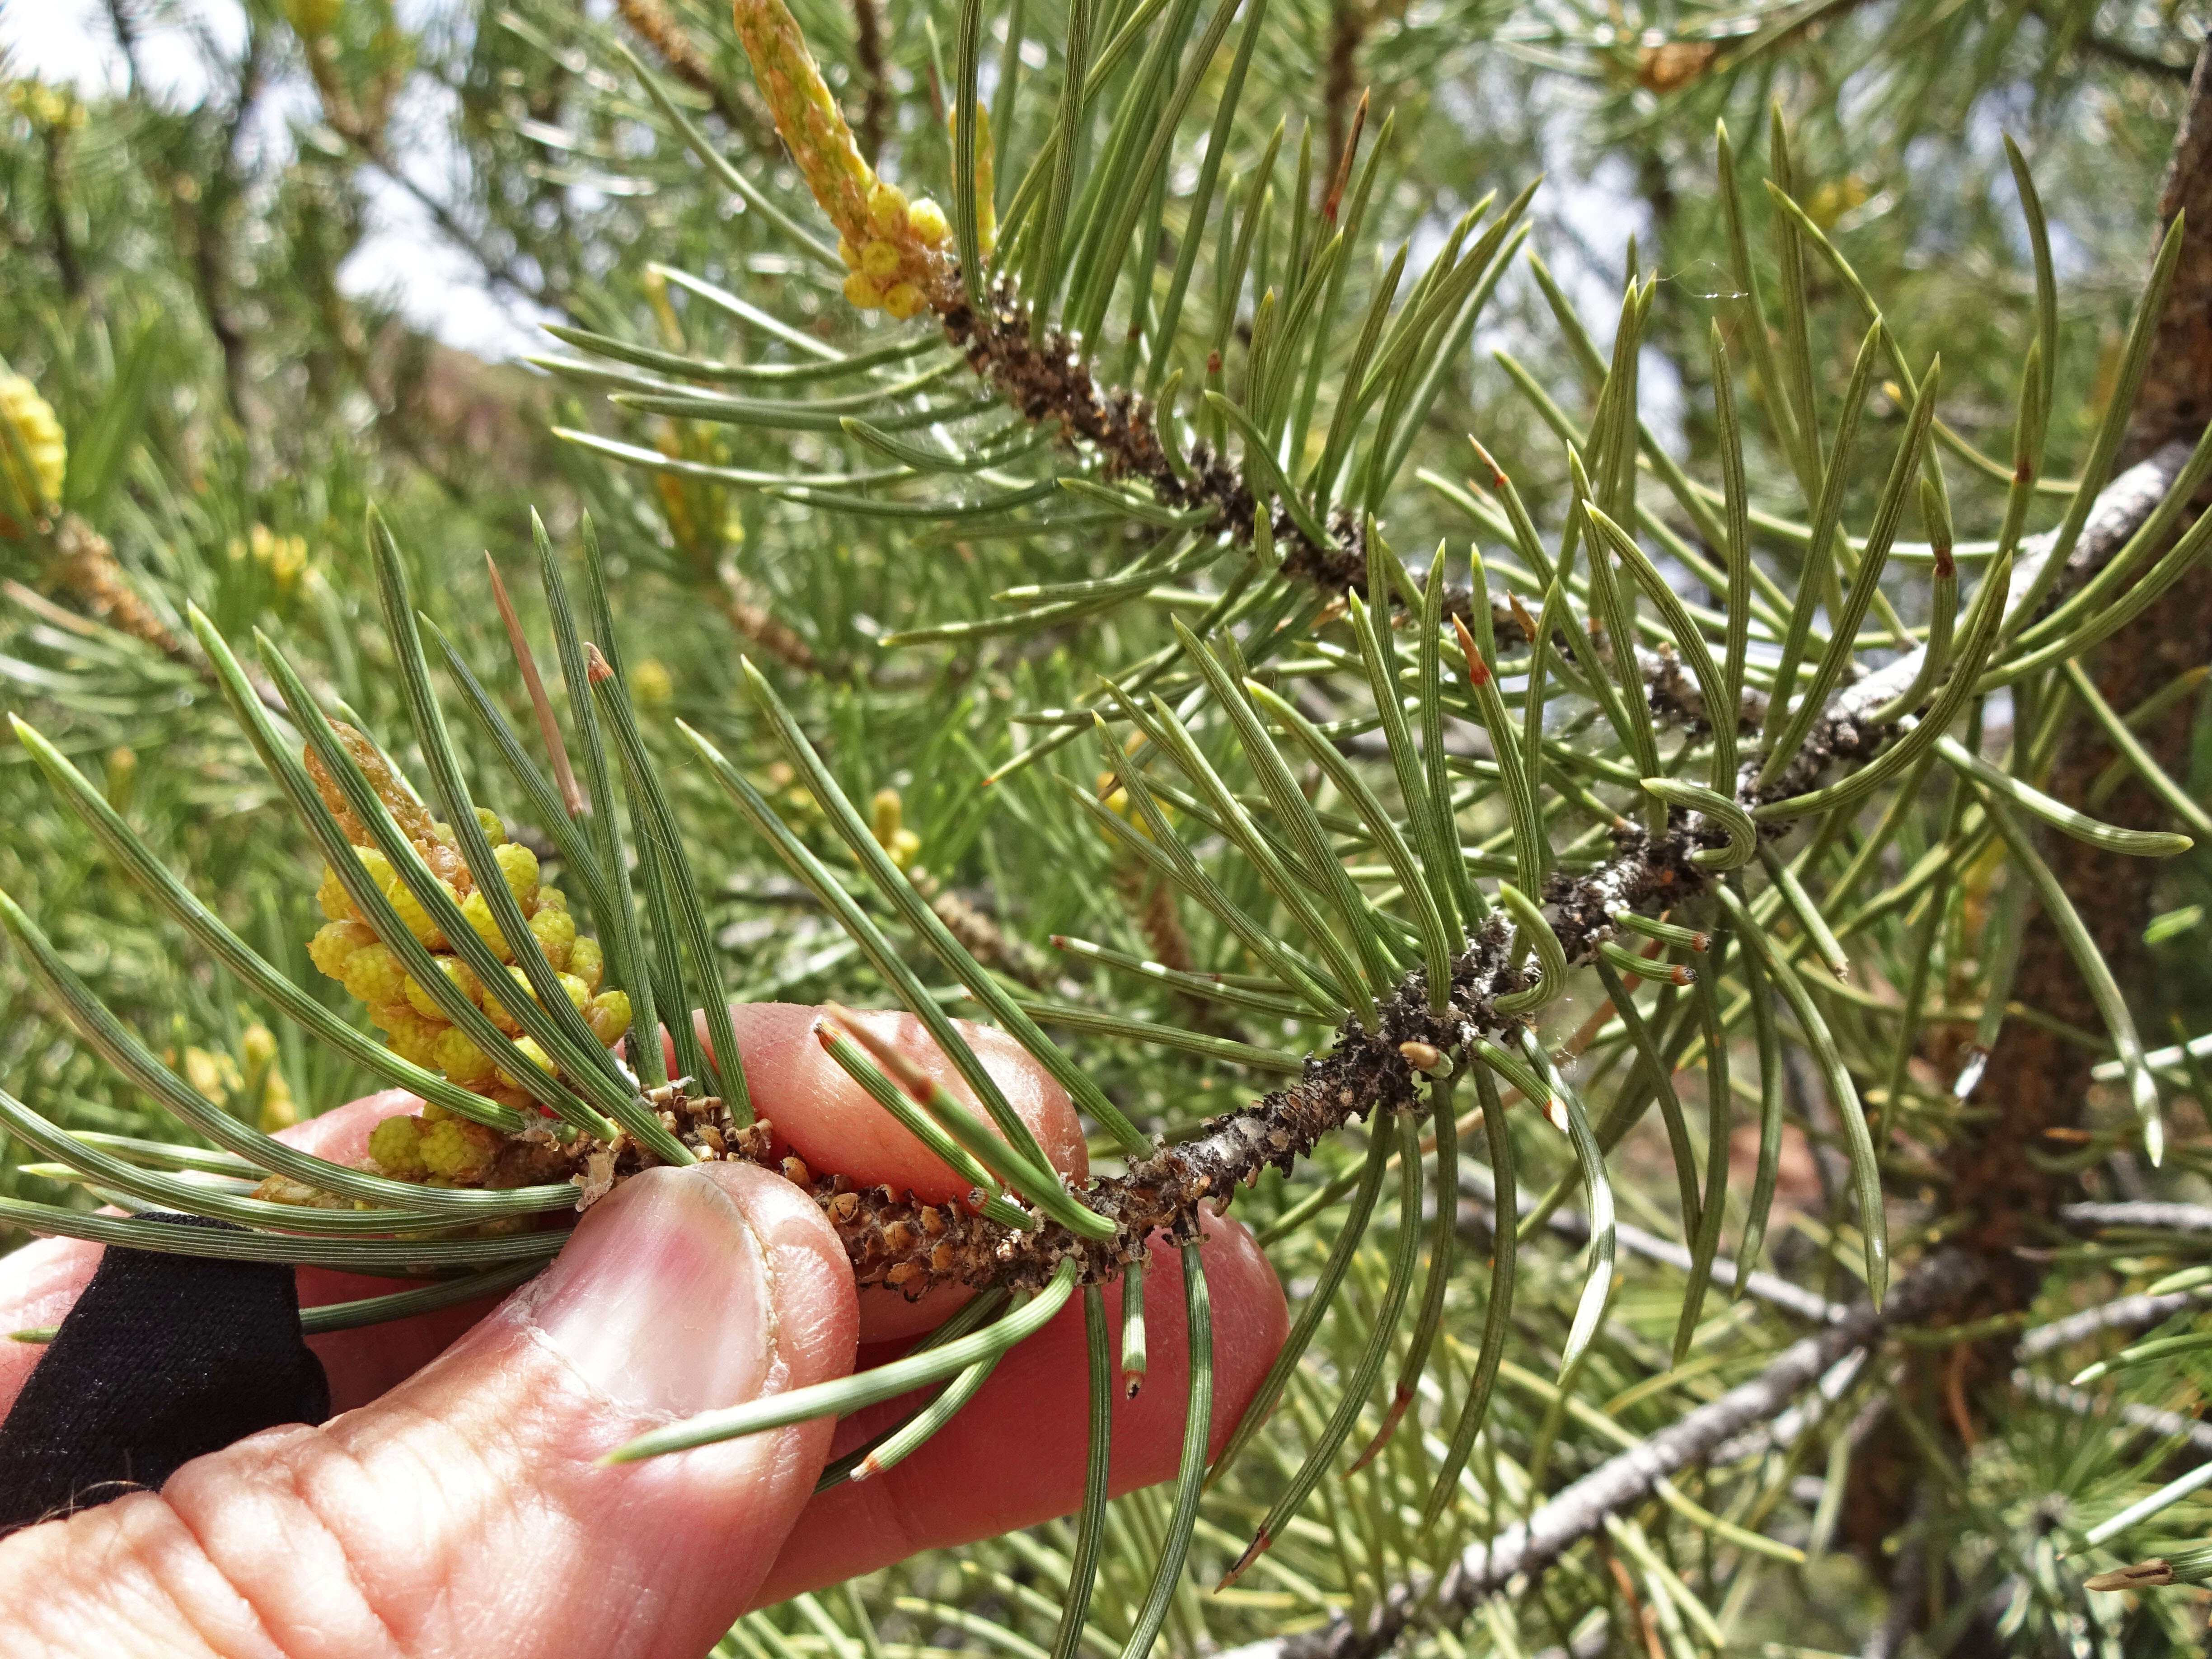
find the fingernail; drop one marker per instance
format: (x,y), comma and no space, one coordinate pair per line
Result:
(660,1301)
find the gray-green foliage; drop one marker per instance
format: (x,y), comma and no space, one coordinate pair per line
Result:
(1707,444)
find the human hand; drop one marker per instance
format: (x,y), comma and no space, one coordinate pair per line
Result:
(457,1505)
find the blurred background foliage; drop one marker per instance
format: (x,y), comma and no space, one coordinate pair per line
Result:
(185,259)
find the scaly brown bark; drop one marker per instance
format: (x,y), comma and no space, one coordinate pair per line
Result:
(2037,1080)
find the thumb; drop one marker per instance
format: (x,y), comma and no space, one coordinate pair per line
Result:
(466,1511)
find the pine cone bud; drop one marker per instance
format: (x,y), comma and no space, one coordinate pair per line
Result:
(406,1009)
(38,437)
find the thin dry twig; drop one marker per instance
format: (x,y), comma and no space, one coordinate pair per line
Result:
(876,87)
(2147,1419)
(759,627)
(1581,1508)
(548,729)
(1477,1214)
(2143,1213)
(2121,1314)
(653,23)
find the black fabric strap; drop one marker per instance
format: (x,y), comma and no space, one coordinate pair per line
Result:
(163,1357)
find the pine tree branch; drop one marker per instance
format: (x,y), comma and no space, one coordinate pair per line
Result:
(2119,52)
(85,567)
(1477,1211)
(2162,1218)
(759,627)
(2149,1419)
(1808,1412)
(1049,380)
(891,1240)
(2121,507)
(2123,1313)
(83,564)
(1581,1508)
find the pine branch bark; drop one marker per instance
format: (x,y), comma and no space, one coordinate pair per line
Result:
(891,1240)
